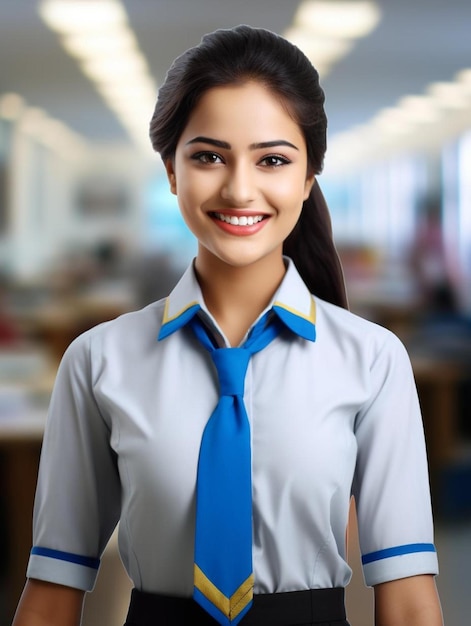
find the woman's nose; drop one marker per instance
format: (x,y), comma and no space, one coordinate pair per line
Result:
(239,185)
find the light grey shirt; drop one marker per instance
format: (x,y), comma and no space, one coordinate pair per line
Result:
(333,411)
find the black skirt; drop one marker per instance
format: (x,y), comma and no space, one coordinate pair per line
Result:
(319,607)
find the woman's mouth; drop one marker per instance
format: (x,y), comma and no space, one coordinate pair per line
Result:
(242,220)
(240,225)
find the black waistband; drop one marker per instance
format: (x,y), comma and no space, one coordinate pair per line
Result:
(316,606)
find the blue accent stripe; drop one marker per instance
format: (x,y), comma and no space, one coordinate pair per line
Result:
(86,561)
(175,323)
(409,548)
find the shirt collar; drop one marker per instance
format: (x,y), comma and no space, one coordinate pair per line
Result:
(292,303)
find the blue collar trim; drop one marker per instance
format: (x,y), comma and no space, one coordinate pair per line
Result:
(298,323)
(293,304)
(170,325)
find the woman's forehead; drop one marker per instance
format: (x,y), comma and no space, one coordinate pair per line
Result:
(246,109)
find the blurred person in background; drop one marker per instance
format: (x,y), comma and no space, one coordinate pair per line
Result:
(9,332)
(330,407)
(428,260)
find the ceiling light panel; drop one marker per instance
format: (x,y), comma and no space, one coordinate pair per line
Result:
(325,30)
(323,51)
(11,106)
(98,35)
(338,18)
(78,16)
(91,44)
(452,95)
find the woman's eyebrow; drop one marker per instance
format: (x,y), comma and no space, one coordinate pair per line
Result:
(212,142)
(272,144)
(254,146)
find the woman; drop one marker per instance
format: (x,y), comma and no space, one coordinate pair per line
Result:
(329,407)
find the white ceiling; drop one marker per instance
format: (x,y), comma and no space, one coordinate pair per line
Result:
(417,42)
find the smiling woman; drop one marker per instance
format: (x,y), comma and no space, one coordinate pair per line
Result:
(228,425)
(241,175)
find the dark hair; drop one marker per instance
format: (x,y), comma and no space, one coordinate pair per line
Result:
(234,56)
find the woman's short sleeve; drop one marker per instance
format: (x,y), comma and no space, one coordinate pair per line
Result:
(78,494)
(391,486)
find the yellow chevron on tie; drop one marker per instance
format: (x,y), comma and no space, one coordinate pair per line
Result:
(230,607)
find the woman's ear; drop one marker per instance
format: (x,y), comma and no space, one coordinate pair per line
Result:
(310,180)
(172,179)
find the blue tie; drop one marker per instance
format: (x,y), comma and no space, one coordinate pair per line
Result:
(223,574)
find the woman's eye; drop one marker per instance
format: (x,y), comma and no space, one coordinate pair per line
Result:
(274,160)
(207,158)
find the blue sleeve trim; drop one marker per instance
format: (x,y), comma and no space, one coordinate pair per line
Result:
(67,556)
(409,548)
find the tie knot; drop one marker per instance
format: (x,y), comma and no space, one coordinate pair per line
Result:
(231,364)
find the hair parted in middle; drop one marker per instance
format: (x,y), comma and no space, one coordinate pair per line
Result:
(236,56)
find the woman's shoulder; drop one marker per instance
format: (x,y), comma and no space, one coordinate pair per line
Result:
(133,328)
(344,325)
(352,341)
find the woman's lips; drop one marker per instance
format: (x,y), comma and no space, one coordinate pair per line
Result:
(239,224)
(242,220)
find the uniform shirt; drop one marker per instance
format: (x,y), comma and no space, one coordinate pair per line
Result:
(333,412)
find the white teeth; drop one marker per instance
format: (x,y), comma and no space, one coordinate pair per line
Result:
(243,220)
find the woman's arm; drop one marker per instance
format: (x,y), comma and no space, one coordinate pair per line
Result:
(409,601)
(47,604)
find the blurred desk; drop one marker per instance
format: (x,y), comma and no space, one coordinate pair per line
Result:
(391,302)
(437,383)
(20,446)
(56,322)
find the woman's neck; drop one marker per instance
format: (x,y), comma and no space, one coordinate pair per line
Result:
(236,296)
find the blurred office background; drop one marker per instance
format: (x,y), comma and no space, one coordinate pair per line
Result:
(88,229)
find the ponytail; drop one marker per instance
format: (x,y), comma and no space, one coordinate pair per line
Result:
(312,249)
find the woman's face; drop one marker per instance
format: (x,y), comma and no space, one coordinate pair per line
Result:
(240,174)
